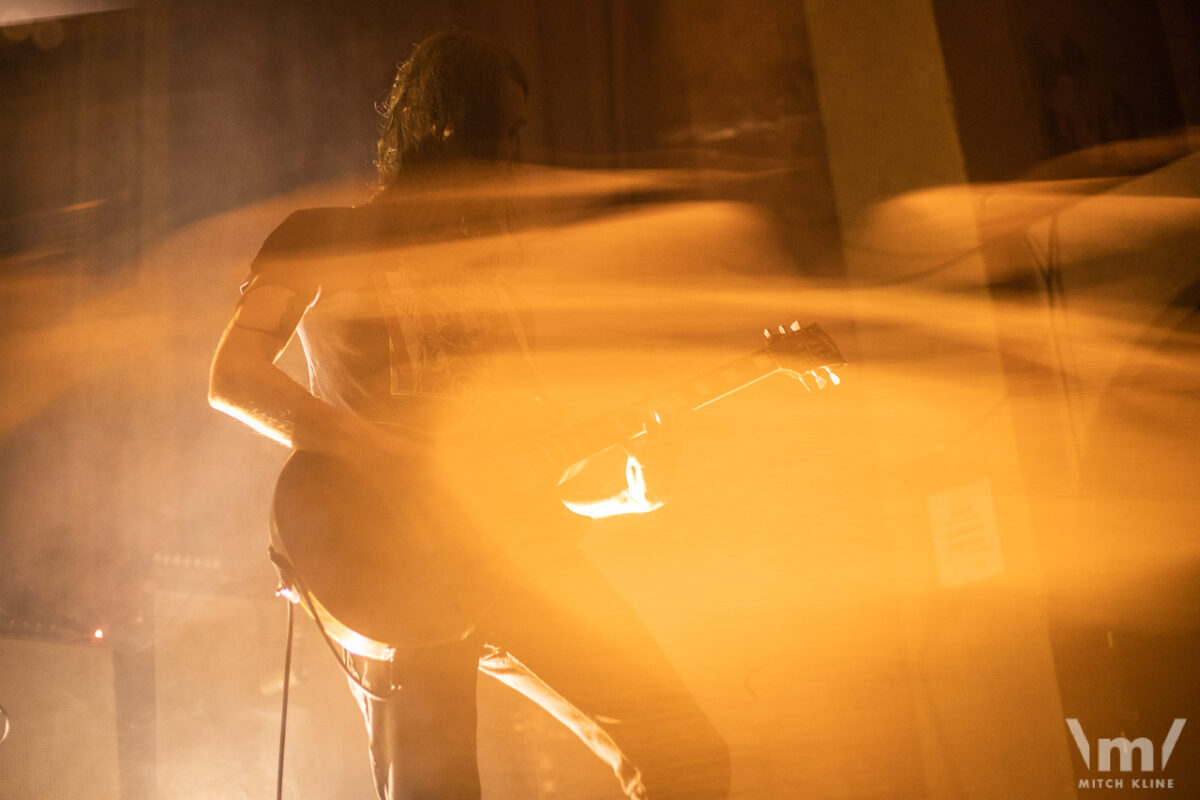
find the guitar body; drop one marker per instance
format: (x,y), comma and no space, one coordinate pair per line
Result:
(373,568)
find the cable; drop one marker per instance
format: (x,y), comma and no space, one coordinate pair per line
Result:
(287,674)
(299,591)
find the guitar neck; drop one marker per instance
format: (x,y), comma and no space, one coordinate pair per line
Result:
(548,457)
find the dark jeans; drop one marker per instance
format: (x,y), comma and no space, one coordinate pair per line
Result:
(597,669)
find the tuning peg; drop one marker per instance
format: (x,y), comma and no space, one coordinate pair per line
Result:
(795,325)
(821,382)
(766,333)
(833,377)
(782,329)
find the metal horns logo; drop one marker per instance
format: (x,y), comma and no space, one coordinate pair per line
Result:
(1144,747)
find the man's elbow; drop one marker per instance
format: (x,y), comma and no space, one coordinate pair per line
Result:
(221,383)
(232,390)
(230,383)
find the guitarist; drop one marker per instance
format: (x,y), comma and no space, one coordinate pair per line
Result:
(405,320)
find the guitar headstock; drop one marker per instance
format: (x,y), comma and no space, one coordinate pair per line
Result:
(806,353)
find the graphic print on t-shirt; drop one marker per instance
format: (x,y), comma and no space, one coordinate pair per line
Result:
(443,334)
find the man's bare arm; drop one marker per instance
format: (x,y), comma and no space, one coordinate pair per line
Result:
(245,383)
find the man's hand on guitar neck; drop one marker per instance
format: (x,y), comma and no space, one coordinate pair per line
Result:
(659,449)
(632,477)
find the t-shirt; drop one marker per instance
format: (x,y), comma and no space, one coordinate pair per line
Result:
(410,320)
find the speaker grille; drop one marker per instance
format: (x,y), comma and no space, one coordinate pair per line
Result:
(62,723)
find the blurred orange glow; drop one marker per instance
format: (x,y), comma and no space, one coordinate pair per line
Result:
(1009,433)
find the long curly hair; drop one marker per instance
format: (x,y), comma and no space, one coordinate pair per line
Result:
(449,88)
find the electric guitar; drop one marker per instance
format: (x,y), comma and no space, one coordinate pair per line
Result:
(409,567)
